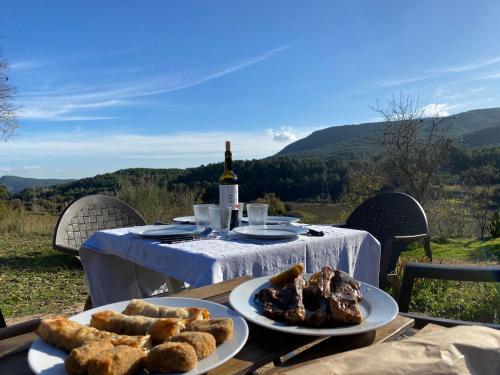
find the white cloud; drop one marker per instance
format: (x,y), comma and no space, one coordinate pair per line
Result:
(402,81)
(66,102)
(433,73)
(174,150)
(5,169)
(31,167)
(471,66)
(284,135)
(434,109)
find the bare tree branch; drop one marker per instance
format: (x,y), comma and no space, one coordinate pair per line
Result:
(8,110)
(412,148)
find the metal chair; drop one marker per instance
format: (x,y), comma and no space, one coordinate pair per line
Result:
(89,214)
(443,272)
(396,220)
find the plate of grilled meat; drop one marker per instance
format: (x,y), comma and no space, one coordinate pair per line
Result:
(161,335)
(326,303)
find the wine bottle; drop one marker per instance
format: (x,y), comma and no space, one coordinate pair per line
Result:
(228,187)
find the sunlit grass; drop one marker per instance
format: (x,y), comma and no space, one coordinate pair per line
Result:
(36,279)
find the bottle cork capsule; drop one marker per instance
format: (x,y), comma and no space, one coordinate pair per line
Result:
(228,146)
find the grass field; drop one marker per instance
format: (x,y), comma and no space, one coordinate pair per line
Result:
(37,280)
(468,250)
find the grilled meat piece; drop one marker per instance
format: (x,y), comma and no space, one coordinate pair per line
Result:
(272,305)
(345,297)
(345,284)
(292,293)
(285,303)
(345,308)
(319,316)
(321,282)
(272,312)
(331,296)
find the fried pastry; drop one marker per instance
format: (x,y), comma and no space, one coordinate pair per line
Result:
(120,360)
(160,329)
(139,307)
(202,342)
(67,335)
(77,361)
(171,357)
(220,329)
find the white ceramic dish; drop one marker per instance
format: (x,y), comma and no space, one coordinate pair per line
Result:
(377,307)
(48,360)
(185,220)
(270,232)
(165,231)
(273,220)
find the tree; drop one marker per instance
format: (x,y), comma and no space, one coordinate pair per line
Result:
(4,193)
(412,148)
(8,120)
(364,180)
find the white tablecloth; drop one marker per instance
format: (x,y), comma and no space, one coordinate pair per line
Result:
(120,266)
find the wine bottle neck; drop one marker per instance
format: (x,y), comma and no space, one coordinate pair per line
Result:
(228,161)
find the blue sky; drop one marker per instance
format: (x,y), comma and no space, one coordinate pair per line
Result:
(106,85)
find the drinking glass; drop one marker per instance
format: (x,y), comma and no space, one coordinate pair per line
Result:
(257,213)
(220,218)
(201,215)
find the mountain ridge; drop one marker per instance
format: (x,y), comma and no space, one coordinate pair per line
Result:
(474,128)
(16,184)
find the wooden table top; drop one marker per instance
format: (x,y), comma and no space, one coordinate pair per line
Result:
(263,346)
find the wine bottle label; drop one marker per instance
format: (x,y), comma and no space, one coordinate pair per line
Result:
(228,196)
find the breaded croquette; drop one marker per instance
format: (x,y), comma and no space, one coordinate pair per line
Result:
(202,342)
(120,360)
(77,361)
(171,357)
(220,329)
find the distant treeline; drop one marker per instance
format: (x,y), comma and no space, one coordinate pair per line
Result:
(291,179)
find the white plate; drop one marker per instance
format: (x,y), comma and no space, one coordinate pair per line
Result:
(270,232)
(272,220)
(185,220)
(164,231)
(48,360)
(377,307)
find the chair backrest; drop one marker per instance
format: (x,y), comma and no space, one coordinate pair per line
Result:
(443,272)
(89,214)
(386,215)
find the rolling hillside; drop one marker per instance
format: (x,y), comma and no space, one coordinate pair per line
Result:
(16,184)
(480,127)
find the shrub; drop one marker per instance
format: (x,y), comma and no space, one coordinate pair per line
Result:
(14,219)
(494,225)
(276,206)
(449,218)
(156,202)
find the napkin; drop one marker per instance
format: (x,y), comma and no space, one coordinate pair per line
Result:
(458,350)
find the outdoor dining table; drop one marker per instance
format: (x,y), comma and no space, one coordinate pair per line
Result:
(262,347)
(120,266)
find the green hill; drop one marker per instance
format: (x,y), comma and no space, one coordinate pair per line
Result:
(16,184)
(479,127)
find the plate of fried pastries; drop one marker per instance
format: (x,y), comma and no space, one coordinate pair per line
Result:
(162,335)
(326,303)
